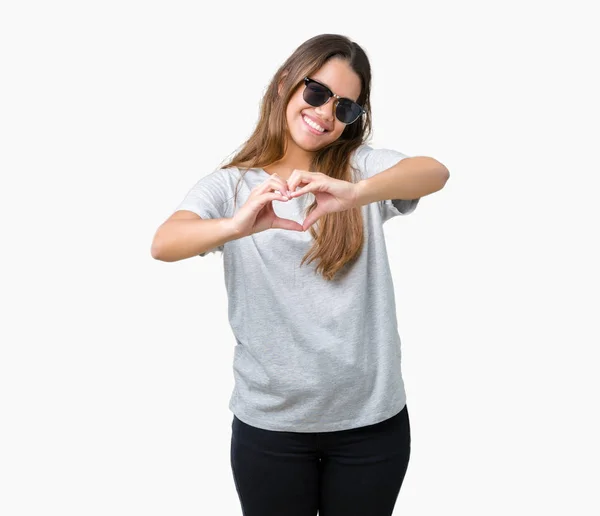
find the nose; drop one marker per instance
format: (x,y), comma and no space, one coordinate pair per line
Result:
(327,110)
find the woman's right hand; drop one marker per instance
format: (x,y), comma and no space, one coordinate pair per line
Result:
(257,213)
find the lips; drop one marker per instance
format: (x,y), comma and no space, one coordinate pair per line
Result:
(316,121)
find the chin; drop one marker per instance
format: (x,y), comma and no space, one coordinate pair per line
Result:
(307,144)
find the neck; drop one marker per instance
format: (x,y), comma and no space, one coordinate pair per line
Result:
(295,158)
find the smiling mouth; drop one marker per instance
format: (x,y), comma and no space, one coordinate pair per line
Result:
(311,128)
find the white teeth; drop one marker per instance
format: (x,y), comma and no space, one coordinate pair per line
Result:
(313,124)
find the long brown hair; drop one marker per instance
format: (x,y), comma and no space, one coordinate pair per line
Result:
(339,239)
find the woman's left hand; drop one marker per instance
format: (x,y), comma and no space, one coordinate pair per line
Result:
(331,194)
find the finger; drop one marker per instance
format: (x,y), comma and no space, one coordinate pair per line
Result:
(266,197)
(280,223)
(272,184)
(308,222)
(282,185)
(305,189)
(300,176)
(311,218)
(269,186)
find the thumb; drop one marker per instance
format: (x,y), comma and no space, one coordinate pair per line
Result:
(311,218)
(280,223)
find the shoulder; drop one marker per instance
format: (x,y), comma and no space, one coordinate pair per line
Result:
(227,172)
(221,177)
(369,161)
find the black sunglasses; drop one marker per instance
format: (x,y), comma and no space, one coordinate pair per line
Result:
(316,94)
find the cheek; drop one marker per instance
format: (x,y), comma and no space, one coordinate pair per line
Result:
(296,104)
(338,129)
(292,114)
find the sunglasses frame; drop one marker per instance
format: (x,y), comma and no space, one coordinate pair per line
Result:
(308,80)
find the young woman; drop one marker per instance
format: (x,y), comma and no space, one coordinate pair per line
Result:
(320,421)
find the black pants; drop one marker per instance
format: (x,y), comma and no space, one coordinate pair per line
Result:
(356,472)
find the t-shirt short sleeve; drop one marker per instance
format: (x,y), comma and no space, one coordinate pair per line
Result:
(372,161)
(210,198)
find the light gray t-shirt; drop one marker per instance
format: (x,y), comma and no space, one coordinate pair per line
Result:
(311,355)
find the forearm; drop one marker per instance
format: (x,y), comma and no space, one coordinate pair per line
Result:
(183,238)
(411,178)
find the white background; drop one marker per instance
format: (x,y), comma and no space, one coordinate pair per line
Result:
(116,369)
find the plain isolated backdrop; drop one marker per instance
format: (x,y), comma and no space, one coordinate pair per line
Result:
(116,369)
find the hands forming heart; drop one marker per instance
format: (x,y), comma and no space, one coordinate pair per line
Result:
(331,194)
(257,213)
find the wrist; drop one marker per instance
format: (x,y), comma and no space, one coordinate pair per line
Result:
(232,229)
(359,194)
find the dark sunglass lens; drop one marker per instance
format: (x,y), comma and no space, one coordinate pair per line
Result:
(315,94)
(347,111)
